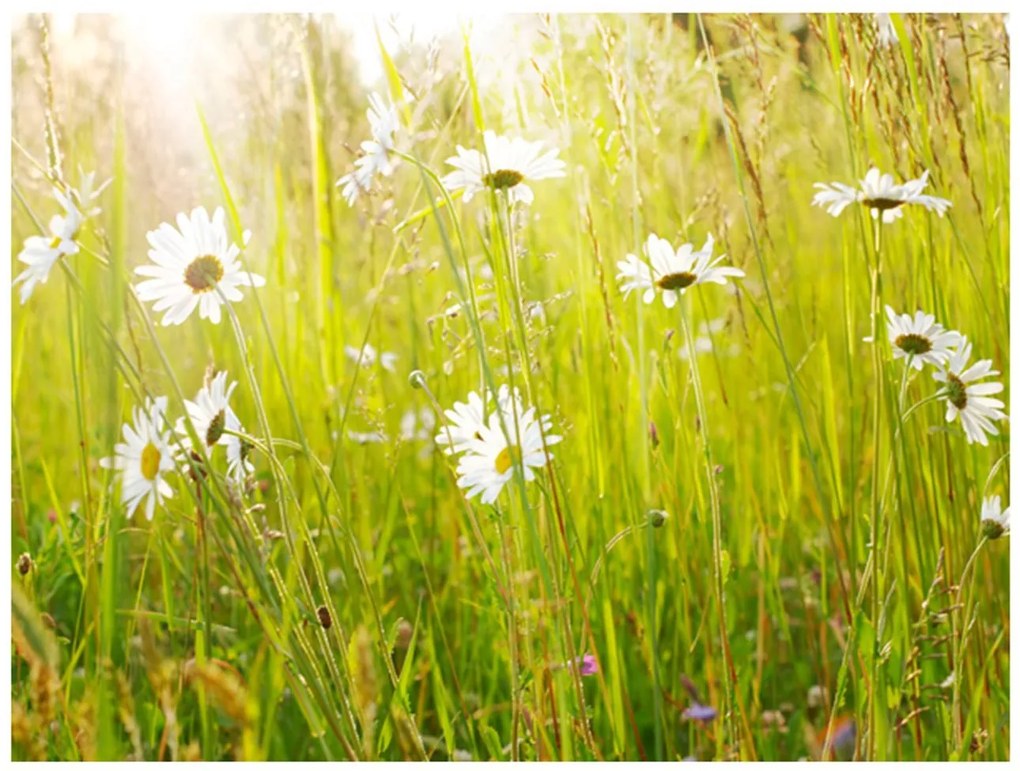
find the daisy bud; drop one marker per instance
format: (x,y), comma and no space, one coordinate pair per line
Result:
(416,379)
(25,563)
(657,517)
(194,467)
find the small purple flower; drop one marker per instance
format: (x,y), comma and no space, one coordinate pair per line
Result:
(703,712)
(589,665)
(844,736)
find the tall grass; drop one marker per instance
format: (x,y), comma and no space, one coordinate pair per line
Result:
(752,508)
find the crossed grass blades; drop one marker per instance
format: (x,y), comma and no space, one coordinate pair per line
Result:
(344,443)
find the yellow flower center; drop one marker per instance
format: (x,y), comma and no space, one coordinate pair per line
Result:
(883,204)
(676,281)
(150,461)
(957,392)
(507,457)
(203,273)
(913,344)
(215,430)
(992,529)
(503,179)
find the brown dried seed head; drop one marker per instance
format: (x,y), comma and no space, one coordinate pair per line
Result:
(225,687)
(324,618)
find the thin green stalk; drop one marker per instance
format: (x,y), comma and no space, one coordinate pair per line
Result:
(716,509)
(959,644)
(878,584)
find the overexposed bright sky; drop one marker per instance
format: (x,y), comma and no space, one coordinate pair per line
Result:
(396,30)
(168,36)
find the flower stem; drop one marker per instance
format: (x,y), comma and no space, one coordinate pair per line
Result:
(720,596)
(877,583)
(960,644)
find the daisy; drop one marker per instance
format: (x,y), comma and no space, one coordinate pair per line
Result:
(489,460)
(707,341)
(968,398)
(417,426)
(994,518)
(466,420)
(195,266)
(886,31)
(86,194)
(143,458)
(671,272)
(367,437)
(464,424)
(383,122)
(41,253)
(504,166)
(879,194)
(919,339)
(210,414)
(367,357)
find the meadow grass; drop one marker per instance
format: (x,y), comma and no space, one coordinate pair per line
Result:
(752,509)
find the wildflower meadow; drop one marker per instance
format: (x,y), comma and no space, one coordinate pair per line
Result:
(530,387)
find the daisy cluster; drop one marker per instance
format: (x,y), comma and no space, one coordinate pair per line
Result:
(504,165)
(919,340)
(152,450)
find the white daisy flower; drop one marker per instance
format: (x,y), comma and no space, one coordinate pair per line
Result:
(466,420)
(490,459)
(919,339)
(879,194)
(705,343)
(968,398)
(505,166)
(886,31)
(143,458)
(87,194)
(367,437)
(672,272)
(994,518)
(41,253)
(383,121)
(210,414)
(464,423)
(368,356)
(417,426)
(195,263)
